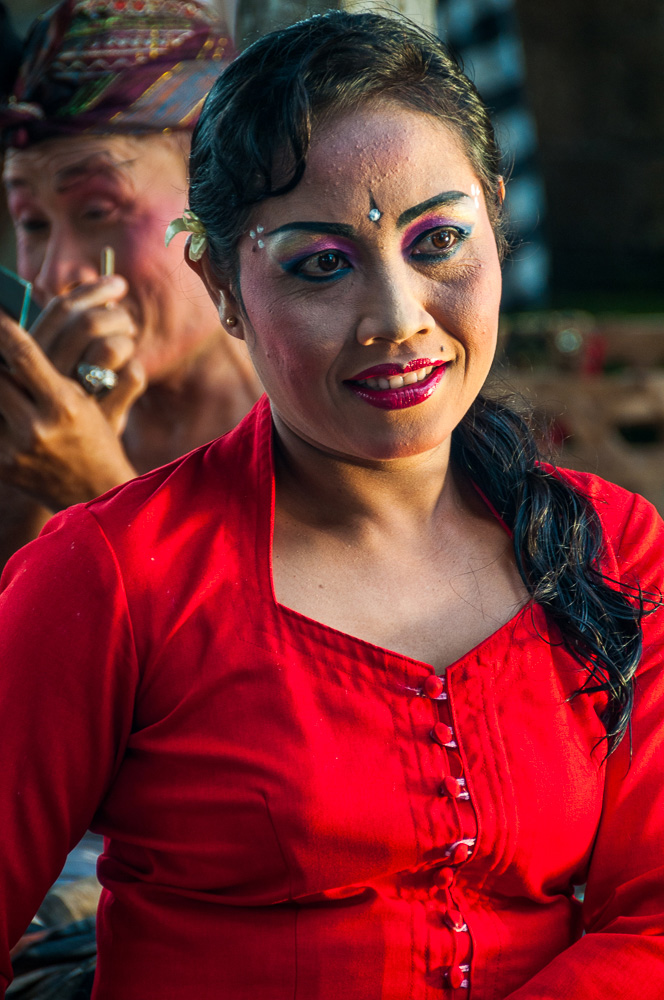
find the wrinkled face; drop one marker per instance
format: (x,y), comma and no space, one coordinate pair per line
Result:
(371,291)
(70,197)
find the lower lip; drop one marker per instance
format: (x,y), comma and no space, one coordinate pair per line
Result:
(399,399)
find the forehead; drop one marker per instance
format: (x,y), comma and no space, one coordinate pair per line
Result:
(397,156)
(58,165)
(387,130)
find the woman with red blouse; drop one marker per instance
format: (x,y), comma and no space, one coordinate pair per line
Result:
(360,693)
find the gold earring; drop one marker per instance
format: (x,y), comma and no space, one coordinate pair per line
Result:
(231,321)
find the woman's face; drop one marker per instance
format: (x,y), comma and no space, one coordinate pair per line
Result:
(371,291)
(70,197)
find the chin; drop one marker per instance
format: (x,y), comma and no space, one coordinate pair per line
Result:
(401,446)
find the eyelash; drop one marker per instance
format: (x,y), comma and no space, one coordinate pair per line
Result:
(95,212)
(91,213)
(296,266)
(460,234)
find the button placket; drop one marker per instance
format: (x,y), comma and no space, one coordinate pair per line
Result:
(457,977)
(453,787)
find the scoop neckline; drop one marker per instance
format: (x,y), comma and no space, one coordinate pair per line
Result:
(266,570)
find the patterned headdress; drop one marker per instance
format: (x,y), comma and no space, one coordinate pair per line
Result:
(115,66)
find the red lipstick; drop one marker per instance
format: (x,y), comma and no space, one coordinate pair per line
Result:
(406,395)
(384,371)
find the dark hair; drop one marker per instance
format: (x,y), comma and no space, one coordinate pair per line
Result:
(251,143)
(558,544)
(266,103)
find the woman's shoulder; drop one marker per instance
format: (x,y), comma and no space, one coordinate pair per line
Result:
(633,528)
(165,516)
(219,461)
(201,484)
(611,501)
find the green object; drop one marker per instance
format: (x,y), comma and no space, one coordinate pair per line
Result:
(16,298)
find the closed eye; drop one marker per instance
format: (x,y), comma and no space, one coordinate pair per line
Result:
(99,212)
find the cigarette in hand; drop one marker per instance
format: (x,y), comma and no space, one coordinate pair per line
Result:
(107,265)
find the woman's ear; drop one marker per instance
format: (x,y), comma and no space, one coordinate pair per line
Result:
(224,300)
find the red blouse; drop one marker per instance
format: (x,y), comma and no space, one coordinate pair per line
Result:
(292,813)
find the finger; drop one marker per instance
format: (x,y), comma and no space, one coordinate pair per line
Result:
(82,337)
(110,352)
(26,361)
(60,310)
(132,381)
(16,408)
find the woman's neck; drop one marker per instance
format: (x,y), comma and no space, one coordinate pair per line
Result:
(322,488)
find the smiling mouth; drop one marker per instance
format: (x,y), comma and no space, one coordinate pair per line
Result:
(397,381)
(394,390)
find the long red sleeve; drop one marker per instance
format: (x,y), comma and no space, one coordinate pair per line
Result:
(67,683)
(622,953)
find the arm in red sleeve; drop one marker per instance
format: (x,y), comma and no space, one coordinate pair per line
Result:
(622,952)
(67,683)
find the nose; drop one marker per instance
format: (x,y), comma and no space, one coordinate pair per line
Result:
(394,310)
(67,262)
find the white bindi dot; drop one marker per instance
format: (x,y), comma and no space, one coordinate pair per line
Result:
(374,214)
(252,234)
(260,229)
(260,244)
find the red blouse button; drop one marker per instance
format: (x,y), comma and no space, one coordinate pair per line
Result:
(434,686)
(460,854)
(442,734)
(454,977)
(454,920)
(444,878)
(451,787)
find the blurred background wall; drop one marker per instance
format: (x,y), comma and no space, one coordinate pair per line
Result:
(595,71)
(591,76)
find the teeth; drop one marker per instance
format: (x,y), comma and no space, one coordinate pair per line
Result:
(397,381)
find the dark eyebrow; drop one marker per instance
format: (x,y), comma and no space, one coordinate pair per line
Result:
(333,228)
(341,229)
(445,198)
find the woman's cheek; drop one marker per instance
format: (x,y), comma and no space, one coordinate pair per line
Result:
(472,305)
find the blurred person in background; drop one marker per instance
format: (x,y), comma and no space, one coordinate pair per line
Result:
(96,129)
(99,105)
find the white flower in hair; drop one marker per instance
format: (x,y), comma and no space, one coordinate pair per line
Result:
(189,222)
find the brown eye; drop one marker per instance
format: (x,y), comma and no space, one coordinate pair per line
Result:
(328,261)
(443,239)
(321,266)
(438,245)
